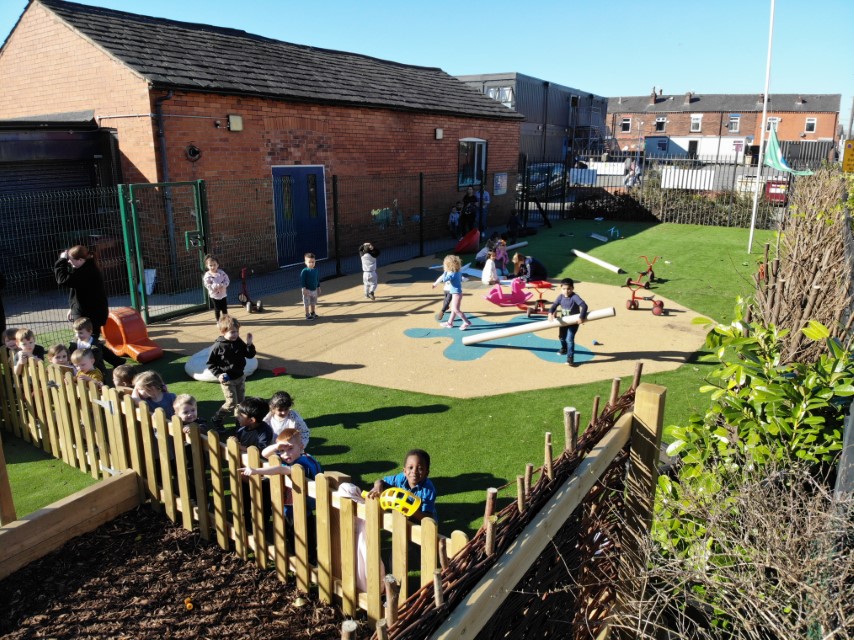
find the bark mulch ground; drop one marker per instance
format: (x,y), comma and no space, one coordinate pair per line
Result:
(131,579)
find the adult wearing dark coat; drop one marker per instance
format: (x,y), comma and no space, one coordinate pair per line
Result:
(2,309)
(76,269)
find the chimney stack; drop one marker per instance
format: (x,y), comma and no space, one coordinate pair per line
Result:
(652,96)
(688,97)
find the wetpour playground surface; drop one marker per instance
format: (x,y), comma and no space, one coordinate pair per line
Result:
(396,342)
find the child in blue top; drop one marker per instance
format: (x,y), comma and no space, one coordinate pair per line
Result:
(309,280)
(149,388)
(569,303)
(413,478)
(454,277)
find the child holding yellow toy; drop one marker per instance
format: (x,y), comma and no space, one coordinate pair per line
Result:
(413,478)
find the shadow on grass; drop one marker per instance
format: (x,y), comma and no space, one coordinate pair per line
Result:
(19,452)
(355,419)
(459,515)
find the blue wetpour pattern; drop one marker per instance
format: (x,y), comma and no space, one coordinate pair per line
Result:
(538,343)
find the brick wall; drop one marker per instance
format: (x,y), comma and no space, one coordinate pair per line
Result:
(791,125)
(348,141)
(46,67)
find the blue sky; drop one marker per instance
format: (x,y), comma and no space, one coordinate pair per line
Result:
(624,47)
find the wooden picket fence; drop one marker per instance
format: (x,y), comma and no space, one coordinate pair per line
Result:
(104,433)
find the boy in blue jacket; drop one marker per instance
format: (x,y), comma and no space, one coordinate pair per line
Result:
(309,281)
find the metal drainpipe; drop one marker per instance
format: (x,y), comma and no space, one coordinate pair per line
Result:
(167,192)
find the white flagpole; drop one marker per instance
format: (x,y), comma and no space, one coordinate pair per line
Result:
(762,126)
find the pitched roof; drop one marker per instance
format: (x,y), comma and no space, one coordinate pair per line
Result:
(198,57)
(732,103)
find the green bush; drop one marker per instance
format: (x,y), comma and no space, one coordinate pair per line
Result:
(763,415)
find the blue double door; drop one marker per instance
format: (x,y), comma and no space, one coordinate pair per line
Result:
(299,200)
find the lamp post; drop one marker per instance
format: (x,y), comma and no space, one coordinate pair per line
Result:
(633,178)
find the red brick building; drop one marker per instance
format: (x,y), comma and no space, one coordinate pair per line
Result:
(723,126)
(190,101)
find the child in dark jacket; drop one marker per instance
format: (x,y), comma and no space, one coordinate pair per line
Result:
(227,362)
(252,430)
(568,303)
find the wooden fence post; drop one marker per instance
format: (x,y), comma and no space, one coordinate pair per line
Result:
(488,520)
(615,393)
(594,416)
(570,435)
(256,508)
(548,462)
(373,528)
(392,592)
(7,504)
(641,480)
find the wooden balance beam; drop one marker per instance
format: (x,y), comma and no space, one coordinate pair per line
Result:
(542,325)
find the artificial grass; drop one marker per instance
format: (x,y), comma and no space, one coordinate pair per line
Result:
(38,479)
(478,443)
(703,268)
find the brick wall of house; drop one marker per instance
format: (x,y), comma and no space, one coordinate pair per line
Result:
(46,68)
(348,141)
(351,142)
(790,127)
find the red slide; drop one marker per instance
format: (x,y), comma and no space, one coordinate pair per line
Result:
(469,242)
(126,335)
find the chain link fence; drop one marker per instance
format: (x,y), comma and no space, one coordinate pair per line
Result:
(34,229)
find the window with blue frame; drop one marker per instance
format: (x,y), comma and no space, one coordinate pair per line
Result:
(472,162)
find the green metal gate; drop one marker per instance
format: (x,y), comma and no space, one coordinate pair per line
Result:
(165,232)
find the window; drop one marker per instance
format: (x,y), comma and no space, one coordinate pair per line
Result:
(472,162)
(772,123)
(626,125)
(662,145)
(660,123)
(734,124)
(504,95)
(696,123)
(809,127)
(311,185)
(288,197)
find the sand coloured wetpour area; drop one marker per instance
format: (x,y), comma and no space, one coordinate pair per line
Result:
(395,341)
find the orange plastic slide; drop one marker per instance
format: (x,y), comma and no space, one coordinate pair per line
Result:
(126,335)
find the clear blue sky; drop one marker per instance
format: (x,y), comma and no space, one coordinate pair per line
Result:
(623,47)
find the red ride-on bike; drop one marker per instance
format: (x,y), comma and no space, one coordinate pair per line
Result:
(541,307)
(243,296)
(649,273)
(633,303)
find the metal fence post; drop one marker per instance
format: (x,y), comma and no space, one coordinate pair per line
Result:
(202,221)
(338,271)
(421,214)
(128,231)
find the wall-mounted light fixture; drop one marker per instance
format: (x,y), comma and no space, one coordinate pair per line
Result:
(235,122)
(440,133)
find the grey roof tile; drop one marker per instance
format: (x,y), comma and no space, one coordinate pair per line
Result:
(732,103)
(185,55)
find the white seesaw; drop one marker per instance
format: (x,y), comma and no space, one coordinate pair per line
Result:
(601,263)
(542,325)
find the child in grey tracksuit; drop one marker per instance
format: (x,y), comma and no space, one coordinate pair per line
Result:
(370,279)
